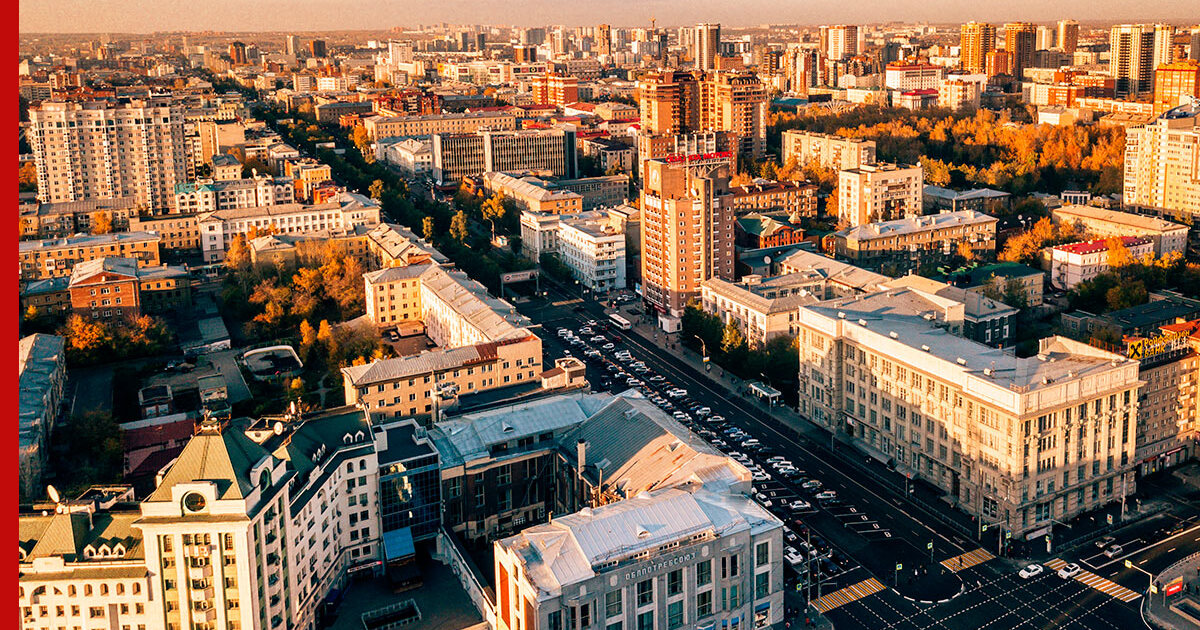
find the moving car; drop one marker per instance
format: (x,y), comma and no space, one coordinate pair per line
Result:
(1030,571)
(1069,571)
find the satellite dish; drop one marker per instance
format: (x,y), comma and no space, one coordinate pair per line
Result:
(53,492)
(278,428)
(766,260)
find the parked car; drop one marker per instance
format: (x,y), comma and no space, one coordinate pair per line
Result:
(826,495)
(1113,550)
(1104,542)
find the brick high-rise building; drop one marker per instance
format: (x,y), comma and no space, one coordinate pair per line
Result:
(316,48)
(603,40)
(1019,39)
(555,89)
(1131,61)
(687,228)
(839,42)
(237,53)
(107,149)
(736,102)
(977,40)
(1068,36)
(669,102)
(1174,81)
(998,62)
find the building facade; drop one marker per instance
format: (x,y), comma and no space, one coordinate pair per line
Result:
(1078,262)
(55,258)
(1162,174)
(827,150)
(551,151)
(878,192)
(1167,236)
(345,213)
(909,243)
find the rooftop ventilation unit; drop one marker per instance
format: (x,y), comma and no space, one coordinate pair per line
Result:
(893,334)
(925,347)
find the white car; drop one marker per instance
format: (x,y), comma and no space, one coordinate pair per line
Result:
(827,494)
(1030,571)
(800,506)
(776,458)
(811,484)
(761,476)
(1069,571)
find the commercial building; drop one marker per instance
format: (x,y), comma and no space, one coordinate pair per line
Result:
(828,150)
(229,194)
(41,383)
(1019,40)
(1078,262)
(879,191)
(650,147)
(555,89)
(907,244)
(1168,412)
(1167,236)
(106,149)
(550,151)
(1175,84)
(687,230)
(307,175)
(977,39)
(938,199)
(427,125)
(413,156)
(1162,174)
(591,244)
(54,258)
(969,314)
(762,308)
(717,560)
(115,288)
(673,102)
(1131,59)
(393,245)
(343,214)
(1003,437)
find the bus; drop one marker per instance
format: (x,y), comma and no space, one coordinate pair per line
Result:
(620,322)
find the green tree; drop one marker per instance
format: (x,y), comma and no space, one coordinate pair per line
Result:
(732,338)
(458,227)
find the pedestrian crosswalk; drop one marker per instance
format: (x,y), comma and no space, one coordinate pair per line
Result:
(967,560)
(844,596)
(1103,585)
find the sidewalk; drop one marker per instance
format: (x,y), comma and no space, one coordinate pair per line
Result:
(1181,610)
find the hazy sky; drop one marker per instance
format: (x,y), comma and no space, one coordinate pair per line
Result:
(300,15)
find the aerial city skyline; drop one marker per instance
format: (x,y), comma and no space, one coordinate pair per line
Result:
(667,316)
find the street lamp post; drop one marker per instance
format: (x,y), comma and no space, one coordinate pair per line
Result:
(703,347)
(1149,576)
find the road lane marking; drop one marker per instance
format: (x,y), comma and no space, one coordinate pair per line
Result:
(1104,585)
(844,596)
(967,560)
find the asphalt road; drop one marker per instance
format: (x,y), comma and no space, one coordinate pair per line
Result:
(988,595)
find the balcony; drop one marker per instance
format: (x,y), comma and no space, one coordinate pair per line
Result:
(203,615)
(201,594)
(200,572)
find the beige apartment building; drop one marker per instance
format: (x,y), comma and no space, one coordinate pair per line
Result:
(50,220)
(54,258)
(468,122)
(342,215)
(482,342)
(879,191)
(687,230)
(1015,442)
(180,233)
(105,149)
(977,40)
(217,194)
(1162,172)
(529,196)
(827,150)
(908,243)
(676,102)
(762,308)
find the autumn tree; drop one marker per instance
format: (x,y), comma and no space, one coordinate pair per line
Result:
(308,338)
(237,259)
(376,190)
(27,178)
(85,338)
(458,227)
(101,222)
(361,139)
(493,209)
(427,228)
(1118,253)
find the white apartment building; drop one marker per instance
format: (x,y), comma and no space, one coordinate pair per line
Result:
(958,93)
(211,195)
(879,191)
(713,558)
(827,150)
(1167,236)
(1076,262)
(426,125)
(341,215)
(105,149)
(249,528)
(1162,172)
(1014,441)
